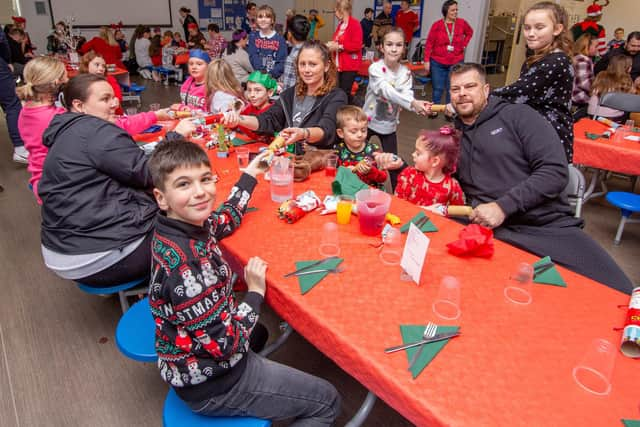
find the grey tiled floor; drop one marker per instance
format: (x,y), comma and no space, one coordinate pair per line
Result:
(55,369)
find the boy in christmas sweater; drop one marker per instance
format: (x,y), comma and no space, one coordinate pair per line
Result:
(266,48)
(355,152)
(202,334)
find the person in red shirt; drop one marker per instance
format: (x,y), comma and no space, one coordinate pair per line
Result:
(106,45)
(260,88)
(346,46)
(408,21)
(429,182)
(446,42)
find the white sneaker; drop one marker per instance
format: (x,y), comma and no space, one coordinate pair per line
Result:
(20,154)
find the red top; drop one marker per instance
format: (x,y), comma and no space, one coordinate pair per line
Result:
(250,110)
(408,22)
(349,57)
(111,54)
(414,187)
(117,92)
(438,40)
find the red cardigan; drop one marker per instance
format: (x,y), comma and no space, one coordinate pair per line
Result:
(438,40)
(111,54)
(350,57)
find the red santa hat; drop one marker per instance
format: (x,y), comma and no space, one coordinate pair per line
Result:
(192,26)
(18,19)
(594,10)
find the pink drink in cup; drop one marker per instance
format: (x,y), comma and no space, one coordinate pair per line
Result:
(373,206)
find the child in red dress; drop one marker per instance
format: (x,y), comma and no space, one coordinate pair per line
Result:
(429,183)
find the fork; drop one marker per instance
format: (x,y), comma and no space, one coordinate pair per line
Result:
(429,332)
(338,269)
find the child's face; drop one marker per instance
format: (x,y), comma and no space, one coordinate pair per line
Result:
(619,35)
(257,94)
(368,15)
(354,134)
(423,159)
(393,47)
(593,48)
(264,21)
(189,194)
(197,69)
(193,31)
(97,66)
(539,29)
(177,37)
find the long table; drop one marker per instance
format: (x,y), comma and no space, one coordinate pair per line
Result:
(512,364)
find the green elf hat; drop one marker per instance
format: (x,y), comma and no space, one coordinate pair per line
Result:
(264,79)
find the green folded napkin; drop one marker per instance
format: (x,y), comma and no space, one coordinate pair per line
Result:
(347,183)
(549,277)
(428,227)
(413,333)
(251,209)
(236,142)
(631,423)
(308,281)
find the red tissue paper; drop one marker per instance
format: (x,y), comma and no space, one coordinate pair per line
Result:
(474,240)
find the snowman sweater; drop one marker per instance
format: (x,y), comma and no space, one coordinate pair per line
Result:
(202,334)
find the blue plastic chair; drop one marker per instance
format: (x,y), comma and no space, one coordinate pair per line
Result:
(123,291)
(628,203)
(177,414)
(132,92)
(135,333)
(421,83)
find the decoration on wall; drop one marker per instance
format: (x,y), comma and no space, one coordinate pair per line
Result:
(228,14)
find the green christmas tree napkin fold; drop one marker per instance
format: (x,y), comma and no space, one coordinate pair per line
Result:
(308,281)
(631,423)
(547,277)
(347,183)
(427,227)
(413,333)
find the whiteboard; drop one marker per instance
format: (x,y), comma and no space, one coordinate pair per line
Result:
(95,13)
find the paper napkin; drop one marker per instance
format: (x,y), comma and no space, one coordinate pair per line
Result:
(308,281)
(427,227)
(549,277)
(413,333)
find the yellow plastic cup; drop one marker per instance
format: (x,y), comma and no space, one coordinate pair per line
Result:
(343,210)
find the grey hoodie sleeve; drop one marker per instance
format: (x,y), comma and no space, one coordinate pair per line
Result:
(548,165)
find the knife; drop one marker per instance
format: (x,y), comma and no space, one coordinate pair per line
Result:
(438,337)
(315,264)
(539,269)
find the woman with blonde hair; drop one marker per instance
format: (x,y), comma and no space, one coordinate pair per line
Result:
(306,111)
(106,45)
(583,50)
(44,77)
(224,91)
(615,78)
(346,45)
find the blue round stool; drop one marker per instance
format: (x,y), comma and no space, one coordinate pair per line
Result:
(628,203)
(135,334)
(177,414)
(121,290)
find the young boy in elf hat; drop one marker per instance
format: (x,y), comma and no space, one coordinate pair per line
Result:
(260,88)
(207,339)
(193,92)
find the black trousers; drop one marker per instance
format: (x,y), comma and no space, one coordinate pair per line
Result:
(389,144)
(570,247)
(10,102)
(345,82)
(136,265)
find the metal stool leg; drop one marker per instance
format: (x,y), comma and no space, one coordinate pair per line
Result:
(286,331)
(623,221)
(363,412)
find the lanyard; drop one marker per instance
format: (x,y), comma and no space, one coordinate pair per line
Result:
(450,33)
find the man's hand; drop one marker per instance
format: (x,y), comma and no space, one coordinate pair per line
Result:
(488,215)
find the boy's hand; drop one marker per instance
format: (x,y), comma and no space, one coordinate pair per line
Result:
(388,161)
(231,119)
(185,127)
(362,168)
(254,275)
(258,165)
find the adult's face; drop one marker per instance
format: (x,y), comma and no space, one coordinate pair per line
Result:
(312,67)
(340,14)
(183,13)
(404,5)
(252,12)
(386,8)
(633,46)
(100,102)
(452,12)
(469,94)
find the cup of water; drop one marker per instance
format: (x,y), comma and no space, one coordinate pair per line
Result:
(281,173)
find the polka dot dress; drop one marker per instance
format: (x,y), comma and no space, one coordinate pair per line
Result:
(546,86)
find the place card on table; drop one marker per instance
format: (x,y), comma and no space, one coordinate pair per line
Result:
(415,252)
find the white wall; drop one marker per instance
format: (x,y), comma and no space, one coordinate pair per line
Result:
(621,13)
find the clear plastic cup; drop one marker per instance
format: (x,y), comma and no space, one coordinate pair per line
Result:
(331,165)
(329,240)
(343,209)
(447,303)
(518,289)
(154,107)
(392,247)
(242,154)
(131,111)
(593,372)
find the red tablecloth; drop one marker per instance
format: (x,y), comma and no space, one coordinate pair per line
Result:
(622,157)
(415,67)
(511,366)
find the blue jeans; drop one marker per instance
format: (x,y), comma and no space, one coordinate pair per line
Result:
(273,391)
(440,81)
(10,102)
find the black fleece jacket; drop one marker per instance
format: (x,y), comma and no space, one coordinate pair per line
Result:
(322,115)
(512,156)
